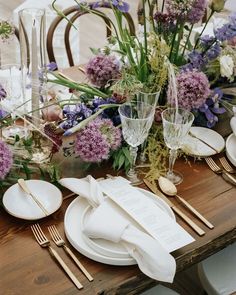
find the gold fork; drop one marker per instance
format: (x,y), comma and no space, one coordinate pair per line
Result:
(57,239)
(45,243)
(227,166)
(214,167)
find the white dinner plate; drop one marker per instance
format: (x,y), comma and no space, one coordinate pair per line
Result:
(19,204)
(231,148)
(99,249)
(195,147)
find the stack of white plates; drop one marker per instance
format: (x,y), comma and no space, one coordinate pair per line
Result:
(99,249)
(231,148)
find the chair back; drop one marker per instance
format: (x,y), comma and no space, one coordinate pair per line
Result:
(72,14)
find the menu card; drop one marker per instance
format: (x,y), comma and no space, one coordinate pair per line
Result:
(149,216)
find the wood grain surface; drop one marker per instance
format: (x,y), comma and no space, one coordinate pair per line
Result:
(28,269)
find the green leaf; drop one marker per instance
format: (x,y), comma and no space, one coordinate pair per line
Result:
(121,161)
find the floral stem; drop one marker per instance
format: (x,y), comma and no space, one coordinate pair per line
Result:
(206,23)
(186,43)
(145,30)
(173,40)
(163,6)
(180,34)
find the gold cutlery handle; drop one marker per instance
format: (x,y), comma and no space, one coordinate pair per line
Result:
(193,225)
(230,177)
(66,268)
(79,264)
(25,188)
(195,212)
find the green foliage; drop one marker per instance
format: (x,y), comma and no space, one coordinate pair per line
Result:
(121,159)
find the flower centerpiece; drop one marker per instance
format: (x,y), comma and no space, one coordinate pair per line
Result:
(173,53)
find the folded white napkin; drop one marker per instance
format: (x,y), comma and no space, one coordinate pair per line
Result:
(152,259)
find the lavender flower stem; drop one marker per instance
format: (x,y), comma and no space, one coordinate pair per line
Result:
(173,40)
(163,5)
(206,23)
(145,30)
(186,43)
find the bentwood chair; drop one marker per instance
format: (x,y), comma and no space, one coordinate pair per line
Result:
(73,13)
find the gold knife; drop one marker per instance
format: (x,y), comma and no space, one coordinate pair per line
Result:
(203,141)
(156,191)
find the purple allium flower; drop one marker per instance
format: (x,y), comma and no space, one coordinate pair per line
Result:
(6,159)
(193,89)
(179,8)
(95,141)
(228,30)
(197,11)
(121,5)
(165,21)
(102,69)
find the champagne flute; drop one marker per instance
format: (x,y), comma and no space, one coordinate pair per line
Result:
(176,125)
(136,120)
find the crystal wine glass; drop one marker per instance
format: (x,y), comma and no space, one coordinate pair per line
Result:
(176,125)
(152,99)
(136,120)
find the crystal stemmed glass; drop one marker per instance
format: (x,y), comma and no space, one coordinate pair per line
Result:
(136,120)
(176,125)
(152,99)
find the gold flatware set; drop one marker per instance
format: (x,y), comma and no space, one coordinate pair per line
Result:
(44,242)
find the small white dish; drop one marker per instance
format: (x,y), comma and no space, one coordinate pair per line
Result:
(198,147)
(231,148)
(19,204)
(99,249)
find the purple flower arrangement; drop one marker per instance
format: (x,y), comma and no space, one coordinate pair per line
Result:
(95,142)
(193,89)
(6,159)
(102,70)
(142,62)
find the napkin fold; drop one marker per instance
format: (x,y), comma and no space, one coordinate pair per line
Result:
(106,222)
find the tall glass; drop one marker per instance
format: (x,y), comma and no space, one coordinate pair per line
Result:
(176,125)
(136,120)
(33,57)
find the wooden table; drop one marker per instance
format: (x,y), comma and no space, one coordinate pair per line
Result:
(28,269)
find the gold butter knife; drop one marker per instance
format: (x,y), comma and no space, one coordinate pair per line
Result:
(156,191)
(25,188)
(203,141)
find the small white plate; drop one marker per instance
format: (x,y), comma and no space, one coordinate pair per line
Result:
(19,204)
(231,148)
(195,147)
(100,250)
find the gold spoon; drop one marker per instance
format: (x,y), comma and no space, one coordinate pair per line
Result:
(170,189)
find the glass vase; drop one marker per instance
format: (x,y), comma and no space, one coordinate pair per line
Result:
(33,59)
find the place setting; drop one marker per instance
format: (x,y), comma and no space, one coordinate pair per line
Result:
(114,159)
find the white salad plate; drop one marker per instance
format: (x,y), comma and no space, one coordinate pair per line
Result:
(19,204)
(201,142)
(101,250)
(231,148)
